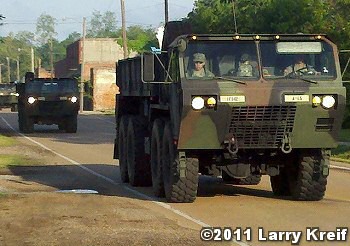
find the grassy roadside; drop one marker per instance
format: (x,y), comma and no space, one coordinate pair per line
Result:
(7,160)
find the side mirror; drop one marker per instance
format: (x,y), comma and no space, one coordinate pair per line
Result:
(147,67)
(181,45)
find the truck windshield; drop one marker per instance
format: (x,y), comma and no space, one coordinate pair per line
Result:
(232,60)
(312,60)
(52,87)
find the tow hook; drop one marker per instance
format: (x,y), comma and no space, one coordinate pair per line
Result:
(232,145)
(286,146)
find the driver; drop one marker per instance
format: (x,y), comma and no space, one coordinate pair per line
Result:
(298,66)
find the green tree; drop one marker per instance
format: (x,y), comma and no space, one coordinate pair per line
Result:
(139,39)
(102,25)
(45,28)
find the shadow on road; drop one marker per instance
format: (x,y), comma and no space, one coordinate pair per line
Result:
(107,181)
(92,129)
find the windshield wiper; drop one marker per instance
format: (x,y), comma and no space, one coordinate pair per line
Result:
(230,79)
(294,76)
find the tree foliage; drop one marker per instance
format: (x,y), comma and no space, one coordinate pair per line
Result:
(45,28)
(102,25)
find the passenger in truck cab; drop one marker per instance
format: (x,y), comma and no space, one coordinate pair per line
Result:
(199,70)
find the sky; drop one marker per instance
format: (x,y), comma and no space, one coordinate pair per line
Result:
(22,15)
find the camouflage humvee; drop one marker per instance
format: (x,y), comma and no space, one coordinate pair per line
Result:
(265,121)
(48,101)
(8,96)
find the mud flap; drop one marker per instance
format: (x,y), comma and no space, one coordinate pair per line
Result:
(115,151)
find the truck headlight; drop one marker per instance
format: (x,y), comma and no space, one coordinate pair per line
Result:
(31,100)
(328,101)
(316,100)
(74,99)
(211,102)
(197,103)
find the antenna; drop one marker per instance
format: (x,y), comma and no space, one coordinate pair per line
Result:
(234,16)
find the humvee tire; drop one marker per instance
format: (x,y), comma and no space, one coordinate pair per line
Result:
(26,124)
(71,124)
(139,169)
(14,108)
(122,149)
(253,179)
(309,183)
(156,158)
(176,188)
(61,126)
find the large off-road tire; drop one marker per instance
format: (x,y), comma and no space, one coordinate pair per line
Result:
(71,124)
(309,183)
(14,108)
(280,184)
(176,188)
(156,158)
(122,148)
(253,179)
(139,169)
(25,123)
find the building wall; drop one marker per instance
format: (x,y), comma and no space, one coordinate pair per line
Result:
(104,88)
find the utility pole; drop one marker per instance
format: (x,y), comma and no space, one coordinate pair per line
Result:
(166,11)
(1,72)
(17,61)
(82,69)
(125,45)
(234,16)
(32,59)
(8,70)
(51,57)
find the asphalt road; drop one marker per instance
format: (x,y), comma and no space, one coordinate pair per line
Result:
(86,163)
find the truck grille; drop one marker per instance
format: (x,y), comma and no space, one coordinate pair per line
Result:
(261,126)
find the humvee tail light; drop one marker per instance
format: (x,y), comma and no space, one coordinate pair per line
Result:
(197,103)
(328,101)
(74,99)
(316,100)
(211,102)
(31,100)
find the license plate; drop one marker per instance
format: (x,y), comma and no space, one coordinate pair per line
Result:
(232,99)
(296,98)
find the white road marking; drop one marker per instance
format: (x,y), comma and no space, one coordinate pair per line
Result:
(135,192)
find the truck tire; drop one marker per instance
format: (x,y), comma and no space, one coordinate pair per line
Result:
(122,148)
(71,124)
(309,184)
(280,184)
(176,188)
(156,158)
(139,169)
(250,180)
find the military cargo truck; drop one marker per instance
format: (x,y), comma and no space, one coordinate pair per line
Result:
(268,117)
(8,96)
(48,101)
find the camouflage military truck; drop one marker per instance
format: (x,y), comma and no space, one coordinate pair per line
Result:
(48,101)
(8,96)
(268,118)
